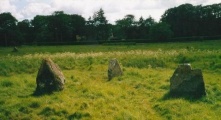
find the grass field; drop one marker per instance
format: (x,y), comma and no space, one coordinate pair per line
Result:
(140,94)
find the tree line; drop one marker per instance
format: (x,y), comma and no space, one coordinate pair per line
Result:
(185,20)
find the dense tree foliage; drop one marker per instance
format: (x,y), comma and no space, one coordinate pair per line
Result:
(160,32)
(26,31)
(188,20)
(9,34)
(60,28)
(101,25)
(129,28)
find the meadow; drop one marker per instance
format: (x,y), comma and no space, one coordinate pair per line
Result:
(140,94)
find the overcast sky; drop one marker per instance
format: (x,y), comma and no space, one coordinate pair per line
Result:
(114,9)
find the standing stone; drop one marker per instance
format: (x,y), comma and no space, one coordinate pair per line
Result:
(187,82)
(114,69)
(49,78)
(15,49)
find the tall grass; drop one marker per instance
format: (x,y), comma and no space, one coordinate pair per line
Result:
(141,93)
(205,59)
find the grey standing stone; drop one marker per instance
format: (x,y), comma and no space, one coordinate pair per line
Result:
(187,82)
(49,78)
(114,69)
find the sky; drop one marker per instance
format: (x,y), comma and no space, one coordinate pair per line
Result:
(113,9)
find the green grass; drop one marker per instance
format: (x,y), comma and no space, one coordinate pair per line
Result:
(141,93)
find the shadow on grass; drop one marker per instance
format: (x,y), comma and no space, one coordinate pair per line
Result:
(35,94)
(188,97)
(38,93)
(25,96)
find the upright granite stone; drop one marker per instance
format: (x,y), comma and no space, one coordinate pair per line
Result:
(114,69)
(49,78)
(187,82)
